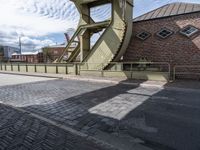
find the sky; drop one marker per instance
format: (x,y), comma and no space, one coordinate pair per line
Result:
(42,23)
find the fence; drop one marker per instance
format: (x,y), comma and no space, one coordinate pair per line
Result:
(40,68)
(136,70)
(186,71)
(118,69)
(128,66)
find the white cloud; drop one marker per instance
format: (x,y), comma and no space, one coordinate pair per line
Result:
(35,43)
(37,19)
(34,19)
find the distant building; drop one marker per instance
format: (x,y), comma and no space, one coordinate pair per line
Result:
(52,53)
(28,57)
(1,53)
(6,52)
(170,34)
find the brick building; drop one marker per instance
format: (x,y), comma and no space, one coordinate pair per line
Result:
(167,34)
(27,57)
(52,53)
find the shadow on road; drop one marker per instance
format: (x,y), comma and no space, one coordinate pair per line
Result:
(161,118)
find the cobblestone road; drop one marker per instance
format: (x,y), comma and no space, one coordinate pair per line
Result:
(163,119)
(15,79)
(19,131)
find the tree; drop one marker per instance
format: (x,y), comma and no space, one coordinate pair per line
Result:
(47,54)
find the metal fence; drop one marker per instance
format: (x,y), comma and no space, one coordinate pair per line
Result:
(118,69)
(40,68)
(127,66)
(186,71)
(130,68)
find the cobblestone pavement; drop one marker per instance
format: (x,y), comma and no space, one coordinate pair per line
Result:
(162,118)
(19,131)
(14,79)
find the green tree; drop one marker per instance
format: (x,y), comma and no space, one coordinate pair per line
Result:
(48,55)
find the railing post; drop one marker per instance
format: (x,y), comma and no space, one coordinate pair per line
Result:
(56,69)
(174,73)
(102,71)
(45,68)
(76,69)
(35,68)
(79,68)
(131,70)
(18,67)
(122,66)
(5,67)
(66,69)
(11,66)
(115,66)
(170,75)
(26,67)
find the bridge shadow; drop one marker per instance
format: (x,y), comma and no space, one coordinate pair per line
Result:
(129,111)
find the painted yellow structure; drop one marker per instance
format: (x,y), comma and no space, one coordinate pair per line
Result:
(113,42)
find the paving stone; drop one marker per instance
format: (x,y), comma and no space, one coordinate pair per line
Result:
(29,133)
(153,114)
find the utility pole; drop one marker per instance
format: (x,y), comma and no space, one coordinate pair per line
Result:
(20,45)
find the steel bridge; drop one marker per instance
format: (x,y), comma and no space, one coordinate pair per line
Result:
(112,44)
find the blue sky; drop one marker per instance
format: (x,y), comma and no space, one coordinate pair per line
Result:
(43,22)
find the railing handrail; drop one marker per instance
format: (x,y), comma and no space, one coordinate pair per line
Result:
(75,68)
(183,66)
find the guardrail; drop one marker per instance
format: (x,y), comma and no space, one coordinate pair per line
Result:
(40,68)
(127,66)
(134,70)
(186,70)
(117,69)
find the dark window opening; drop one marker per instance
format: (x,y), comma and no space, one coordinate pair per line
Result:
(164,33)
(189,31)
(143,35)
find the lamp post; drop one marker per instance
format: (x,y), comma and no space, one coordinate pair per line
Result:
(20,45)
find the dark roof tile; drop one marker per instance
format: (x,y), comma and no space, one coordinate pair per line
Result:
(168,10)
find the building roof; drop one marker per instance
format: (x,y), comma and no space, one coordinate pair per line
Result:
(27,53)
(57,46)
(169,10)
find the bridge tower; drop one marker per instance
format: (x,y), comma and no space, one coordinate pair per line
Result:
(112,44)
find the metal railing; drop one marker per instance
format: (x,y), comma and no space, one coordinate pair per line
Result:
(76,68)
(40,68)
(127,66)
(186,70)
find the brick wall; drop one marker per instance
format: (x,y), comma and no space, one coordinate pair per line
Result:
(34,58)
(176,49)
(52,53)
